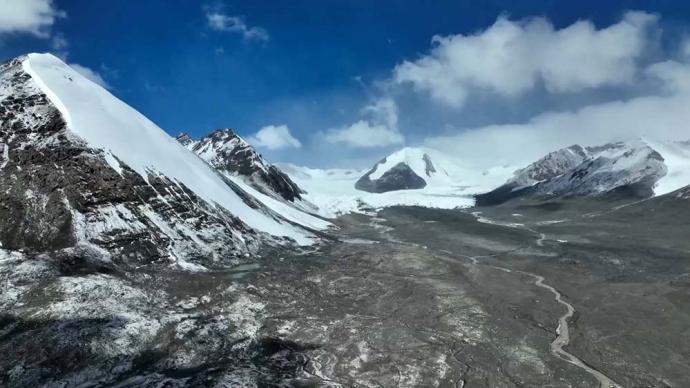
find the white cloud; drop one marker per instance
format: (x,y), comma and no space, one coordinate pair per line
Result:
(58,42)
(511,58)
(28,16)
(90,74)
(383,110)
(379,130)
(662,117)
(364,134)
(274,138)
(220,22)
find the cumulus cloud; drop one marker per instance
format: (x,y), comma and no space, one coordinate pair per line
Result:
(90,74)
(379,130)
(511,58)
(664,116)
(364,134)
(274,138)
(28,16)
(218,21)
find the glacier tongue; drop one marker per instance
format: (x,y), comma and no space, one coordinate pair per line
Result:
(105,122)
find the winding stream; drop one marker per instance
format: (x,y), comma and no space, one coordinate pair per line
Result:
(562,330)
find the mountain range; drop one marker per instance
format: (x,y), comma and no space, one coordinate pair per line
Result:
(132,258)
(77,182)
(83,171)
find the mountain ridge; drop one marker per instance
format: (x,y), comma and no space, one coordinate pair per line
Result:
(639,167)
(228,152)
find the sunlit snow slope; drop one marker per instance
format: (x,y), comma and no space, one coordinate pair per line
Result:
(105,122)
(452,185)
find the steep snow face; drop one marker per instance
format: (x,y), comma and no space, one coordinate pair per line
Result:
(126,136)
(677,160)
(230,154)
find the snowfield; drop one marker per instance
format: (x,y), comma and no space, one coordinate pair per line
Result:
(333,191)
(453,184)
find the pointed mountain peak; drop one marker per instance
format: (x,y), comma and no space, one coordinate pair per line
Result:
(230,154)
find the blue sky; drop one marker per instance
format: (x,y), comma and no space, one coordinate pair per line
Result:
(313,67)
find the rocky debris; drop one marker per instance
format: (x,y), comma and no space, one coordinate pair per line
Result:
(134,328)
(230,154)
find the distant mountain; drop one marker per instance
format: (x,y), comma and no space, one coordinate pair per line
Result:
(229,153)
(81,171)
(408,168)
(550,166)
(639,168)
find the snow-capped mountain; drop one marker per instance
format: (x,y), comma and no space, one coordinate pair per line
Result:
(229,153)
(81,170)
(408,168)
(639,167)
(447,183)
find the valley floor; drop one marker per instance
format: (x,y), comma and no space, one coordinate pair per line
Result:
(411,297)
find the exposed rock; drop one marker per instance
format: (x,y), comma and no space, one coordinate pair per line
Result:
(400,177)
(184,139)
(229,153)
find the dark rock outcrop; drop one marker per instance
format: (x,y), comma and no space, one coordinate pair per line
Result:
(400,177)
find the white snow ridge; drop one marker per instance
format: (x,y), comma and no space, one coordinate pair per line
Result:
(103,121)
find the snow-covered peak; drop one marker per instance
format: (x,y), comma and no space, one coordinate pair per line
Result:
(640,166)
(430,165)
(216,146)
(127,137)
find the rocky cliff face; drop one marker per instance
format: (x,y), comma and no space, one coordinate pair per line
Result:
(62,196)
(229,153)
